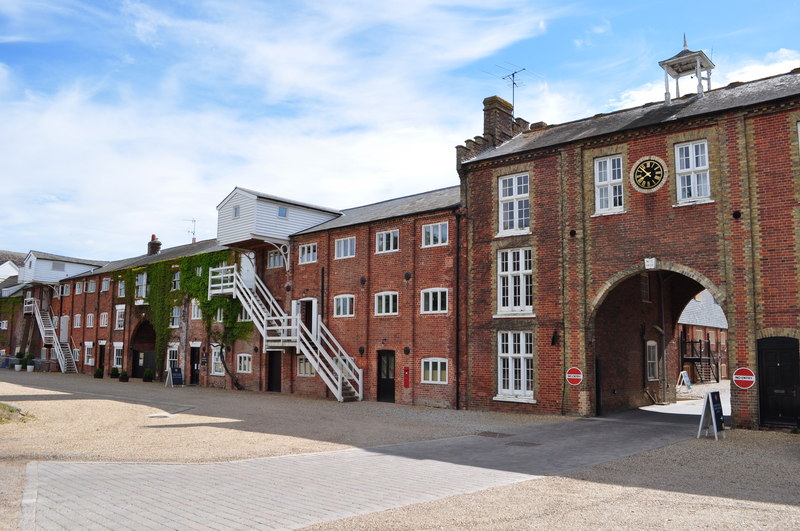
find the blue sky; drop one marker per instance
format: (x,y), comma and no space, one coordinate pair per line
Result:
(123,118)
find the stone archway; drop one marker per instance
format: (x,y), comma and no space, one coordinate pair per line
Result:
(143,348)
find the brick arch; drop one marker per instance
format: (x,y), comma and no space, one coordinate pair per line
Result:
(778,332)
(662,265)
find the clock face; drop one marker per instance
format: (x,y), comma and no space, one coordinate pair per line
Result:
(648,174)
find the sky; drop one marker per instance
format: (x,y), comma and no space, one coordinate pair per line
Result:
(125,118)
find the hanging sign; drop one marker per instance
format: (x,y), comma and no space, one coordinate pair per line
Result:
(744,378)
(712,416)
(574,376)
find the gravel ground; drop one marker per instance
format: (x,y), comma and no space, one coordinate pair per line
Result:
(750,479)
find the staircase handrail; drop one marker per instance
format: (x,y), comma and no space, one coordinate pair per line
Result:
(48,335)
(352,372)
(326,371)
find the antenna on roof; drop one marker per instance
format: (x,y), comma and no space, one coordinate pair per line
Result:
(192,231)
(512,79)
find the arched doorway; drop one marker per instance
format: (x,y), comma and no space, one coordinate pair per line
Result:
(143,345)
(634,338)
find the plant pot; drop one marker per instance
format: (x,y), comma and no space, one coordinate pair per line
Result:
(17,367)
(123,378)
(30,368)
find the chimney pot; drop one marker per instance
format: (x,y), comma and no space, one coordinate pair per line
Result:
(153,246)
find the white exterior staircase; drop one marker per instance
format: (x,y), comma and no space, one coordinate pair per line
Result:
(44,320)
(336,368)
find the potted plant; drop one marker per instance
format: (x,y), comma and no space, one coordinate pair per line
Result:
(113,373)
(123,376)
(29,362)
(148,375)
(98,372)
(19,363)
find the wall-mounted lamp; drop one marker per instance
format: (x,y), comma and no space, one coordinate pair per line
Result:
(554,340)
(255,349)
(407,276)
(361,350)
(363,280)
(288,287)
(406,350)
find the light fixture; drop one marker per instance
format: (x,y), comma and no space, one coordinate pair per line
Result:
(406,350)
(361,350)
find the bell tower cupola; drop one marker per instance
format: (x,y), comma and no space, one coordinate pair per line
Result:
(686,63)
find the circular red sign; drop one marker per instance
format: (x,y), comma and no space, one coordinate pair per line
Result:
(744,378)
(574,376)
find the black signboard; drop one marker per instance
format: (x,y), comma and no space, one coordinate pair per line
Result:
(712,416)
(175,376)
(716,408)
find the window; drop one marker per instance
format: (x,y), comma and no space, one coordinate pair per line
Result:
(217,369)
(515,365)
(172,355)
(55,322)
(644,281)
(77,321)
(434,370)
(103,320)
(3,325)
(236,211)
(58,266)
(141,285)
(282,212)
(435,234)
(176,281)
(387,241)
(608,184)
(88,357)
(343,306)
(433,300)
(274,259)
(91,286)
(198,271)
(386,303)
(514,280)
(196,312)
(78,288)
(65,290)
(244,316)
(119,320)
(515,204)
(220,315)
(304,367)
(308,253)
(652,360)
(244,363)
(117,354)
(76,355)
(121,288)
(105,284)
(692,175)
(345,247)
(89,320)
(175,317)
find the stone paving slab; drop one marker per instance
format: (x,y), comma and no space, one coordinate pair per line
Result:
(298,490)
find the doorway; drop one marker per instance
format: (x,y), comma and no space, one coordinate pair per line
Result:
(779,388)
(101,357)
(194,360)
(274,371)
(386,376)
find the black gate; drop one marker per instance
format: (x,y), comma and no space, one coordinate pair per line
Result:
(386,376)
(143,359)
(274,374)
(779,386)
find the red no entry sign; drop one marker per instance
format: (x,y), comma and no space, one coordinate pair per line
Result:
(744,378)
(574,376)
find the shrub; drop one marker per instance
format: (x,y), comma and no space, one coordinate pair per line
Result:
(123,376)
(98,372)
(114,373)
(148,375)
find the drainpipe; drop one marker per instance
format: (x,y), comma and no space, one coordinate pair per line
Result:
(663,335)
(458,307)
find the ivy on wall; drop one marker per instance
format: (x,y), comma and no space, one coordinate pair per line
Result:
(161,299)
(9,308)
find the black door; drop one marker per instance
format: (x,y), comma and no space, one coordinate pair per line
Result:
(143,359)
(779,374)
(386,376)
(101,356)
(274,374)
(194,370)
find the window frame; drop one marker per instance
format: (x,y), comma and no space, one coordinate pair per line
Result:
(351,303)
(119,317)
(387,241)
(141,286)
(118,349)
(105,284)
(76,320)
(344,248)
(216,361)
(429,233)
(65,289)
(121,288)
(614,179)
(89,320)
(78,288)
(103,320)
(244,368)
(196,311)
(508,280)
(175,317)
(175,283)
(172,348)
(273,263)
(390,297)
(88,353)
(692,172)
(651,360)
(307,253)
(439,363)
(518,201)
(429,295)
(304,367)
(91,286)
(515,345)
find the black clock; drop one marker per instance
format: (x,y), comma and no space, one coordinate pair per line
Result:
(648,174)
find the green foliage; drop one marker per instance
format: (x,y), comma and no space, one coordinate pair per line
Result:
(123,376)
(98,373)
(114,372)
(9,307)
(148,375)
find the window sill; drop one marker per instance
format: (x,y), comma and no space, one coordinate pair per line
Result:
(518,315)
(518,399)
(701,201)
(608,213)
(433,383)
(505,234)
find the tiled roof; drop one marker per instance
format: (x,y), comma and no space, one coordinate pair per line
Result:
(733,96)
(10,256)
(705,312)
(441,199)
(190,249)
(59,258)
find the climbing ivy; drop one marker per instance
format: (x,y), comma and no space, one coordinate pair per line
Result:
(8,307)
(161,298)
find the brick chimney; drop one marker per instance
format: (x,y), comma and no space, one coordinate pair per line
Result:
(498,120)
(153,246)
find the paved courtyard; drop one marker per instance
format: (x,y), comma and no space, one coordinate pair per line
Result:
(361,485)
